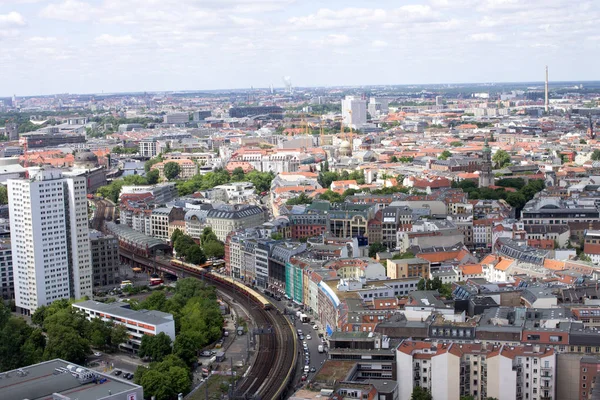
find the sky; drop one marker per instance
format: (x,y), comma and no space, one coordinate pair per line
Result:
(94,46)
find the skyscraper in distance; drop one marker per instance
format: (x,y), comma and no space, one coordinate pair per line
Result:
(354,111)
(49,237)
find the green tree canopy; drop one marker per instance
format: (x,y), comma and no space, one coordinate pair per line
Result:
(155,347)
(3,195)
(164,380)
(207,235)
(237,175)
(300,199)
(331,196)
(182,244)
(501,158)
(214,248)
(446,154)
(171,170)
(596,155)
(185,348)
(152,177)
(150,163)
(420,393)
(65,342)
(195,255)
(177,233)
(375,248)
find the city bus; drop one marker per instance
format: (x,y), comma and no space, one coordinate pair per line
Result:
(126,284)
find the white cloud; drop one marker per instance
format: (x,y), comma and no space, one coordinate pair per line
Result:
(68,10)
(484,37)
(12,19)
(42,39)
(111,40)
(379,43)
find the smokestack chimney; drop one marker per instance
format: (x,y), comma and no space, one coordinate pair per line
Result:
(546,101)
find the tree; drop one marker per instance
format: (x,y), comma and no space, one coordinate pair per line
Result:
(457,143)
(177,233)
(394,159)
(277,236)
(375,248)
(208,235)
(501,158)
(164,380)
(421,285)
(171,170)
(331,196)
(195,255)
(582,141)
(238,174)
(185,348)
(152,177)
(596,155)
(182,244)
(445,155)
(418,393)
(155,347)
(301,199)
(3,195)
(118,335)
(150,163)
(156,301)
(214,248)
(66,343)
(584,257)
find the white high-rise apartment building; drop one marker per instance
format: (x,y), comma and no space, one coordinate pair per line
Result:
(50,238)
(354,111)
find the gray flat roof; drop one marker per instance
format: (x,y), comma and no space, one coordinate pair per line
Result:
(120,310)
(40,381)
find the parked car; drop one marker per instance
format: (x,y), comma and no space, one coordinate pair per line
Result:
(304,378)
(315,327)
(308,337)
(313,369)
(129,377)
(306,369)
(116,372)
(206,353)
(97,354)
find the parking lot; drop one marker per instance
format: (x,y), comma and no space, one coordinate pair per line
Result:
(118,364)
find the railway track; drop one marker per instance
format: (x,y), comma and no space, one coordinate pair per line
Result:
(274,366)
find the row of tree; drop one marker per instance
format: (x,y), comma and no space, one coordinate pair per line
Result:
(113,189)
(326,177)
(187,248)
(260,180)
(59,331)
(198,322)
(516,199)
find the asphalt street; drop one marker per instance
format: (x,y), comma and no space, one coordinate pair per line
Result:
(316,359)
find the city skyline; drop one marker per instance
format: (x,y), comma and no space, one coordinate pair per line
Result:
(92,47)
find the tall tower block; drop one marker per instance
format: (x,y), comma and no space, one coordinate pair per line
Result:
(546,101)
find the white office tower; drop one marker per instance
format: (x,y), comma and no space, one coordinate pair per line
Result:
(354,111)
(50,238)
